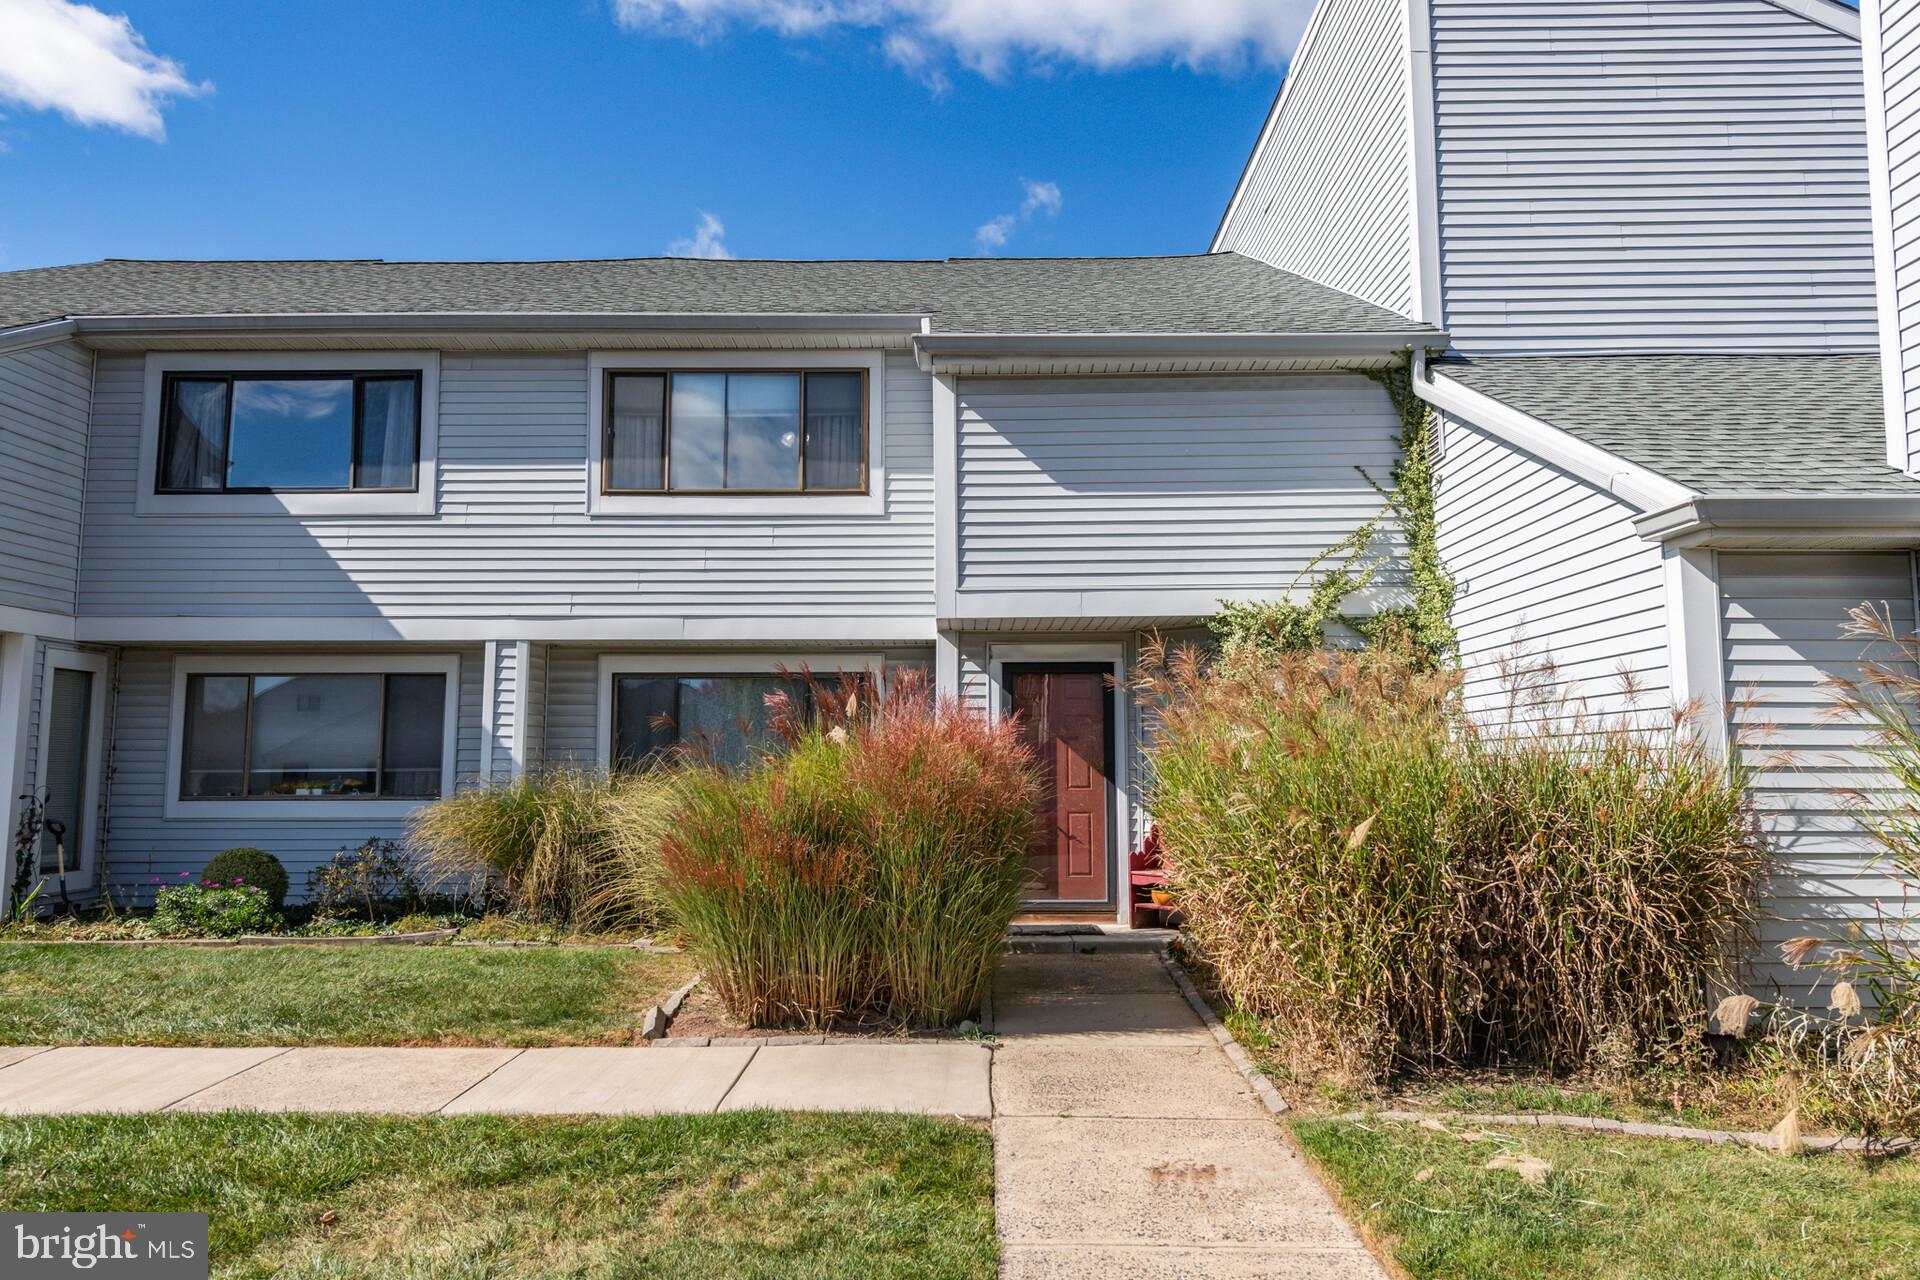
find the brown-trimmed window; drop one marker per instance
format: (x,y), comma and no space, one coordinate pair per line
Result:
(717,431)
(289,432)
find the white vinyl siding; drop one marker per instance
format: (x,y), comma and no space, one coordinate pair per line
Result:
(498,744)
(1549,567)
(1684,175)
(513,537)
(142,842)
(1327,193)
(44,396)
(1782,615)
(1893,106)
(1130,488)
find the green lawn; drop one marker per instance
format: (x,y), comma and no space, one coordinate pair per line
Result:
(1614,1206)
(297,995)
(748,1195)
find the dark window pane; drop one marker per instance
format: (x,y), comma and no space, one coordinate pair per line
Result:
(833,430)
(63,774)
(195,439)
(699,447)
(727,717)
(386,448)
(214,756)
(415,738)
(290,433)
(642,718)
(315,735)
(636,432)
(763,431)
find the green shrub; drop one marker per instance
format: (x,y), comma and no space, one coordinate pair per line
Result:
(640,810)
(1387,887)
(208,910)
(541,841)
(374,878)
(247,865)
(869,872)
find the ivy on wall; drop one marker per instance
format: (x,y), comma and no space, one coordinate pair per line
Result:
(1424,624)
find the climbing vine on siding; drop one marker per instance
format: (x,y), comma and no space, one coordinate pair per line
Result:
(1425,624)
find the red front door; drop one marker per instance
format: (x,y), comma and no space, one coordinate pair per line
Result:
(1064,714)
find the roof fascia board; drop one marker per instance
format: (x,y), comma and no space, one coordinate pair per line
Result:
(1629,481)
(1301,51)
(508,322)
(931,348)
(1828,13)
(1699,517)
(1423,169)
(27,336)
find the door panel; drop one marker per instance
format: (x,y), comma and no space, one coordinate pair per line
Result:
(64,772)
(1065,718)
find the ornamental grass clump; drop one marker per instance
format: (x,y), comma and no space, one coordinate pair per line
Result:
(867,872)
(1388,888)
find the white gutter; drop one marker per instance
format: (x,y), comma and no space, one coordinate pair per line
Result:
(499,321)
(1888,517)
(931,349)
(1632,483)
(1828,13)
(23,337)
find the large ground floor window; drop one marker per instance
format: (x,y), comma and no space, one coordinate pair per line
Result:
(318,734)
(727,719)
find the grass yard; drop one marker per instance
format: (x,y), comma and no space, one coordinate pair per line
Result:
(1618,1207)
(749,1195)
(298,995)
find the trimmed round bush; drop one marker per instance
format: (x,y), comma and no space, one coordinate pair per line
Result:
(251,866)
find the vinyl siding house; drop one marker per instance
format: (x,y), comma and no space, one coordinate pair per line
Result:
(1667,467)
(295,546)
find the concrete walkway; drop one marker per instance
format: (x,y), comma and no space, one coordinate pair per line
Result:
(1125,1145)
(933,1078)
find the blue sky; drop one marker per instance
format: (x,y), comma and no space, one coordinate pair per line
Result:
(606,128)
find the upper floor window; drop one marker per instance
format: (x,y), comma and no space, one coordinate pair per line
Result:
(274,432)
(706,431)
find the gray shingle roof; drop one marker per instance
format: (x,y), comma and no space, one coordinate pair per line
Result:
(1207,293)
(1718,424)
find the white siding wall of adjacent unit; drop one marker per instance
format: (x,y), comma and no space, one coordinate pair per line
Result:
(1685,175)
(498,746)
(1327,193)
(1782,616)
(1892,30)
(1207,486)
(44,396)
(1549,568)
(143,842)
(513,537)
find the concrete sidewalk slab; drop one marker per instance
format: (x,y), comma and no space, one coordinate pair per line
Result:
(1198,1182)
(1158,1262)
(1057,1076)
(117,1078)
(606,1081)
(13,1053)
(400,1081)
(1020,976)
(1140,1017)
(922,1079)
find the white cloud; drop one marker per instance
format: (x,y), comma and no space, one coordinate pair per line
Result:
(1040,198)
(988,35)
(705,242)
(91,67)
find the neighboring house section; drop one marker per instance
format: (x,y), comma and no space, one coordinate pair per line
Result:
(1891,39)
(352,535)
(1329,190)
(1680,175)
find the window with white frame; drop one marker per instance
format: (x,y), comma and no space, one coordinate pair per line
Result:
(720,431)
(327,431)
(346,735)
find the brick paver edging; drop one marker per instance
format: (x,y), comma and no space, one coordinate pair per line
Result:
(1595,1124)
(1262,1087)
